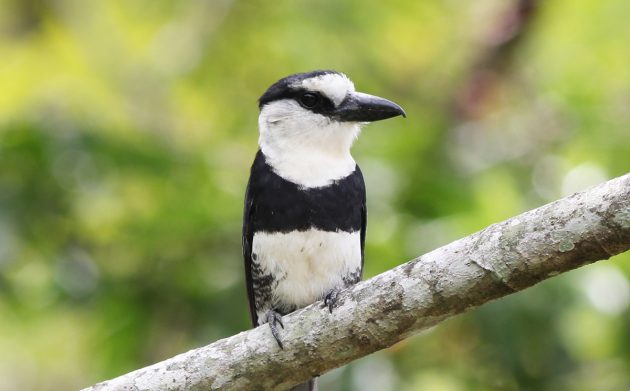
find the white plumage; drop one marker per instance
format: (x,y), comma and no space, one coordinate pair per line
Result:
(307,264)
(304,147)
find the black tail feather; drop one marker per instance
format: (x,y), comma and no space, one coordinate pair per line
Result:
(310,385)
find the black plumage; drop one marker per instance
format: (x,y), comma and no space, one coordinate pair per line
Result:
(274,204)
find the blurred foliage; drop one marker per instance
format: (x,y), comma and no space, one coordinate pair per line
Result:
(126,133)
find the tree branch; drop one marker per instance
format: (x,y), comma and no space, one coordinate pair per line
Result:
(499,260)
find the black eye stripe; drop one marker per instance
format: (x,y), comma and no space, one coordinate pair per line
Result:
(324,104)
(310,100)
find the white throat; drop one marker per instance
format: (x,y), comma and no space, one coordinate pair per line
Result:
(303,147)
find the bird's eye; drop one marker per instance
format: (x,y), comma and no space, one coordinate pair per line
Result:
(309,100)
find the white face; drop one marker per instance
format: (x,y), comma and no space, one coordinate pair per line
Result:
(304,147)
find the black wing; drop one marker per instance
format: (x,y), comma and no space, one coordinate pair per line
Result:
(248,235)
(363,221)
(363,229)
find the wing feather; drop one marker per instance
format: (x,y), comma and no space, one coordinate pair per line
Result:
(247,238)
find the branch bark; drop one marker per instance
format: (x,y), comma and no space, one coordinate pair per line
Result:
(499,260)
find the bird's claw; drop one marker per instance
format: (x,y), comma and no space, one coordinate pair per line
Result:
(330,300)
(274,319)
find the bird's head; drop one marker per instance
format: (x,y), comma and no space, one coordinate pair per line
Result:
(319,112)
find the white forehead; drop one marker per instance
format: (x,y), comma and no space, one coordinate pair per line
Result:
(333,85)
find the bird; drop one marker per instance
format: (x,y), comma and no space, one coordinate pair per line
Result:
(305,214)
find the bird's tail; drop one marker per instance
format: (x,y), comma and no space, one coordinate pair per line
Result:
(310,385)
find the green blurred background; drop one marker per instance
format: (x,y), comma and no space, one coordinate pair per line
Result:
(127,128)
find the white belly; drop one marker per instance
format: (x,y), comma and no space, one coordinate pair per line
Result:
(307,265)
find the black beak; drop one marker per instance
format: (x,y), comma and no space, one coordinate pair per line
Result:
(360,107)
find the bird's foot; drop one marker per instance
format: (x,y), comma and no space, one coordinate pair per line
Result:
(330,300)
(274,319)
